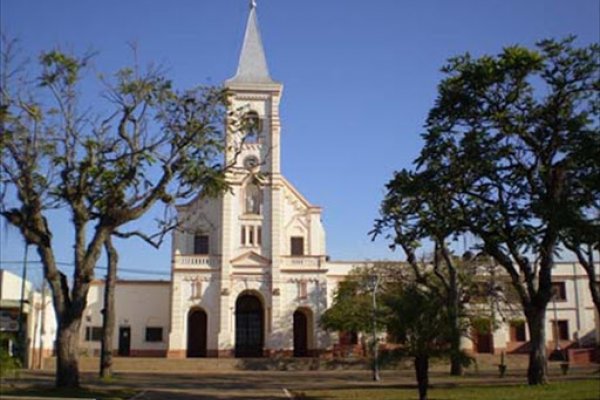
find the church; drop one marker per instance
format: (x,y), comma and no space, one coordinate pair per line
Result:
(250,276)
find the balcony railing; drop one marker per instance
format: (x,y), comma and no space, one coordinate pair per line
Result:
(197,261)
(302,262)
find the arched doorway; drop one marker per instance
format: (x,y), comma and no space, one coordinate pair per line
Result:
(249,335)
(197,326)
(301,332)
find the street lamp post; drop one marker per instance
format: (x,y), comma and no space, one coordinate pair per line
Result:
(374,283)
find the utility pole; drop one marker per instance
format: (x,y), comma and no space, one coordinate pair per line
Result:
(22,336)
(42,324)
(374,283)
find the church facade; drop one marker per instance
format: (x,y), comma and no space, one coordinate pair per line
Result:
(250,276)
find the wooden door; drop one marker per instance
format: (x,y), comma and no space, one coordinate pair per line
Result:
(197,327)
(300,334)
(249,335)
(124,341)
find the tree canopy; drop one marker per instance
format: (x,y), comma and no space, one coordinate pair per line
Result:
(142,143)
(510,156)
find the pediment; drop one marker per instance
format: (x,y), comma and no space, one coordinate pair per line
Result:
(250,259)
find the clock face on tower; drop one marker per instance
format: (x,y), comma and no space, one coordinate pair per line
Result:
(250,162)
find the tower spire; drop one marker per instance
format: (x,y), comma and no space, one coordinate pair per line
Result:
(252,66)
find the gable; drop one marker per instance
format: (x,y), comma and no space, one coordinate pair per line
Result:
(250,259)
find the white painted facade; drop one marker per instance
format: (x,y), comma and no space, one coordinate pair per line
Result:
(139,306)
(39,322)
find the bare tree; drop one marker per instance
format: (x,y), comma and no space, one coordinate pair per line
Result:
(155,145)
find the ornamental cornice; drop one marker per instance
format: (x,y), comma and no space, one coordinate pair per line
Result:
(198,278)
(252,96)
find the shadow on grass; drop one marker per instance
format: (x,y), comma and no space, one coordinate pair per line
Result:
(52,392)
(575,390)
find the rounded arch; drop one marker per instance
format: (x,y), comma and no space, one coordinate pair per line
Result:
(303,328)
(252,126)
(249,324)
(197,332)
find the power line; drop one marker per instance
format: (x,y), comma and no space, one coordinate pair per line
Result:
(71,265)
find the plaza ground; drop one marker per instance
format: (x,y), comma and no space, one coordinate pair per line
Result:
(582,383)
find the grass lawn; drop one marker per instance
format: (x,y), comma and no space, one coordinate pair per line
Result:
(91,393)
(588,389)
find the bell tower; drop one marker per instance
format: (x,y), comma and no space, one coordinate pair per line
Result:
(251,212)
(254,98)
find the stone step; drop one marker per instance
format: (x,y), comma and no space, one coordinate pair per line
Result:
(150,364)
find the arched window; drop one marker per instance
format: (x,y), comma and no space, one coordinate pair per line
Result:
(253,199)
(252,126)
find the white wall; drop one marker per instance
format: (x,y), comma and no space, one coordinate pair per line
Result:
(138,304)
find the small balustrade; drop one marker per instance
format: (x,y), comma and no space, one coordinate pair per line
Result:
(302,262)
(196,261)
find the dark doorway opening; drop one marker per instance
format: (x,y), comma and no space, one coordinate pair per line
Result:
(197,328)
(249,334)
(300,334)
(483,341)
(124,341)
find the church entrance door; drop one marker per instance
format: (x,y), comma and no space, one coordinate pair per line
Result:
(196,344)
(249,334)
(300,334)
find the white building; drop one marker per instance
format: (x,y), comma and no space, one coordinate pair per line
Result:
(250,275)
(38,321)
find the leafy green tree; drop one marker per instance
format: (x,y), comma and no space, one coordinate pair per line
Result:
(504,146)
(351,308)
(419,320)
(8,364)
(146,144)
(414,210)
(357,307)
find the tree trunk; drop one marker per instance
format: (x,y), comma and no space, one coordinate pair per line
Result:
(108,313)
(594,290)
(456,359)
(538,367)
(67,364)
(422,371)
(456,364)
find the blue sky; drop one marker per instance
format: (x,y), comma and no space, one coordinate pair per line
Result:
(359,78)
